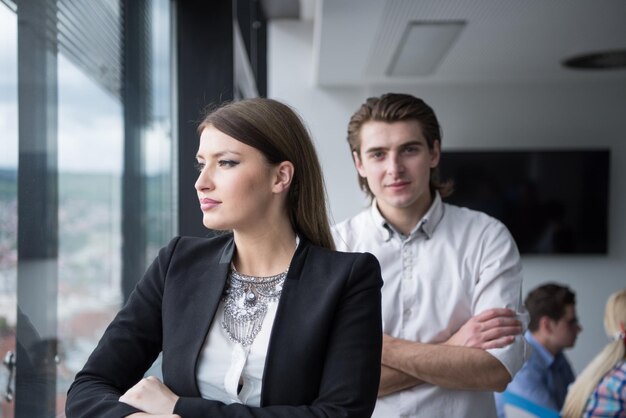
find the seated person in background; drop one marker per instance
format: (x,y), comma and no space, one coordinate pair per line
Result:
(600,390)
(553,326)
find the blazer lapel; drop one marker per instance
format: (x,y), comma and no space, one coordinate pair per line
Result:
(282,334)
(200,297)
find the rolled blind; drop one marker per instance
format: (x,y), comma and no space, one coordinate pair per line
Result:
(89,33)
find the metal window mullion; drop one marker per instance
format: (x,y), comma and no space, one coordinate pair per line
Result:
(135,67)
(38,231)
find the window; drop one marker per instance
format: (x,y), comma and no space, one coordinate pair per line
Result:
(8,198)
(88,143)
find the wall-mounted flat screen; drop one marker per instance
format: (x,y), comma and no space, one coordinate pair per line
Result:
(553,202)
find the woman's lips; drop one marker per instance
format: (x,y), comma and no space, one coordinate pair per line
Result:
(208,204)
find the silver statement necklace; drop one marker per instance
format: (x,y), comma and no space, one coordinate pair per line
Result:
(245,303)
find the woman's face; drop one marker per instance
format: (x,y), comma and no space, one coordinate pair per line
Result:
(235,183)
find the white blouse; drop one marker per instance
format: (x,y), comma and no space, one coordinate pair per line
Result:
(223,362)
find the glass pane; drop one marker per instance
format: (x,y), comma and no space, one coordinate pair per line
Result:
(159,156)
(8,197)
(91,156)
(90,169)
(77,81)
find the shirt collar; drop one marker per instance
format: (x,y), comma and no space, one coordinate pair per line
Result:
(431,219)
(427,224)
(382,227)
(544,355)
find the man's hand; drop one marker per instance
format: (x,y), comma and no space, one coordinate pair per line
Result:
(406,363)
(448,366)
(493,328)
(151,396)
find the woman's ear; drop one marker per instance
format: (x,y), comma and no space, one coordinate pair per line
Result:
(284,176)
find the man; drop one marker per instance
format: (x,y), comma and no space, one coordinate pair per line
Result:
(553,327)
(449,272)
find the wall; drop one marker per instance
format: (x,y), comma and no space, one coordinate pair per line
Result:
(556,115)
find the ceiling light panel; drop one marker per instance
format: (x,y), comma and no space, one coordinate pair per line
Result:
(422,47)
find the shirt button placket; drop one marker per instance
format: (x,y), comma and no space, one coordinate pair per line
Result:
(407,262)
(407,271)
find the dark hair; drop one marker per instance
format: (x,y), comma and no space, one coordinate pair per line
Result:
(395,107)
(279,134)
(548,300)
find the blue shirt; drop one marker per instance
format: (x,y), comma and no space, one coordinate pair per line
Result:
(543,379)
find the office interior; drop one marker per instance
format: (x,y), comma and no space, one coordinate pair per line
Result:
(99,103)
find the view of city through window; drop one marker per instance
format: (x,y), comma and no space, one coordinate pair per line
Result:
(8,197)
(90,153)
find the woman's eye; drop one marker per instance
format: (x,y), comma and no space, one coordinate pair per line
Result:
(227,163)
(199,166)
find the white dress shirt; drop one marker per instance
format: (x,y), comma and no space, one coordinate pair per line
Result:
(455,264)
(223,362)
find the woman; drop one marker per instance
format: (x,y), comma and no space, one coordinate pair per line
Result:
(262,321)
(600,390)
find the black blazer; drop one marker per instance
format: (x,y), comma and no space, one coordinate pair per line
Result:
(324,353)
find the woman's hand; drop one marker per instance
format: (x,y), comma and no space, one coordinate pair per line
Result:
(151,396)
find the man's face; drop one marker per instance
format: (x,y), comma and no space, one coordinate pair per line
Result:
(396,161)
(566,329)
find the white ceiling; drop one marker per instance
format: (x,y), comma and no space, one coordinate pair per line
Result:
(502,41)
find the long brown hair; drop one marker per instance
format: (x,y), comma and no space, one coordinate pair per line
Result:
(279,134)
(395,107)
